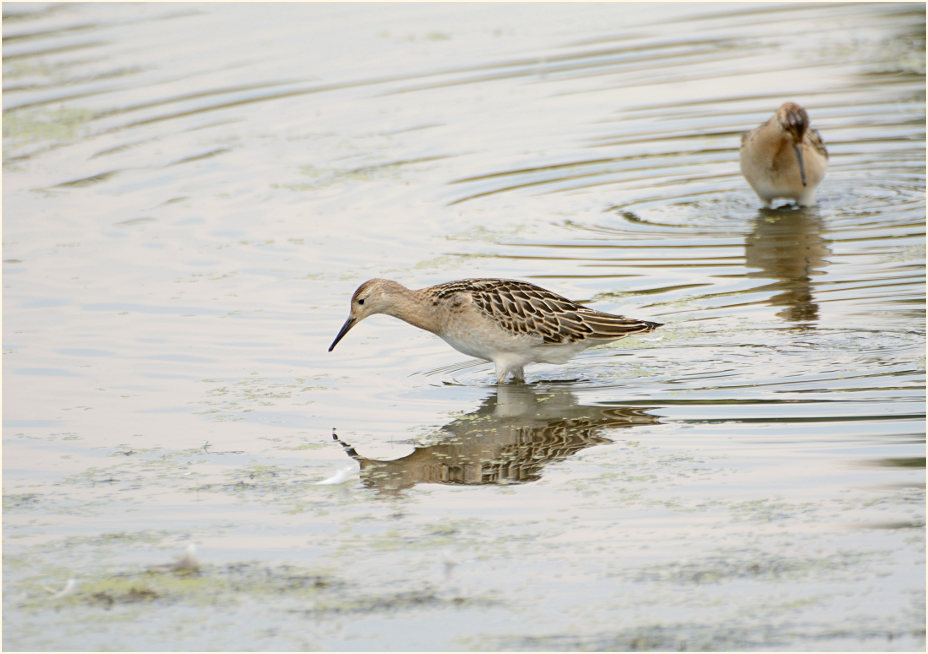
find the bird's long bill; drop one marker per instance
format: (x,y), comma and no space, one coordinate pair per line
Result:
(341,332)
(802,169)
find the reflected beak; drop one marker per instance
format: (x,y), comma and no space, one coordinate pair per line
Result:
(802,170)
(344,330)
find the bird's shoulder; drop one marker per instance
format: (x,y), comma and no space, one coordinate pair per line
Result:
(818,142)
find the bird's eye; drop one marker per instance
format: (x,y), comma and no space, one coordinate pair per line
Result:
(361,301)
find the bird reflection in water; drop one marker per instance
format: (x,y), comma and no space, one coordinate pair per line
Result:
(787,245)
(508,440)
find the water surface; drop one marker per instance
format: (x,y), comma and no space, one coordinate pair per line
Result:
(192,193)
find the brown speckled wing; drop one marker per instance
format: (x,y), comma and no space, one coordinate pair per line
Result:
(816,140)
(523,308)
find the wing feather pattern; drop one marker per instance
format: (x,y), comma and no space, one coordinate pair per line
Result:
(523,308)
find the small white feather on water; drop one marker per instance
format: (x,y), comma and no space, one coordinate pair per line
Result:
(68,587)
(343,475)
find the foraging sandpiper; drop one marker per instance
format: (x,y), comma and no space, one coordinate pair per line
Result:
(510,323)
(784,157)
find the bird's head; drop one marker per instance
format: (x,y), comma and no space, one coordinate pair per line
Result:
(373,296)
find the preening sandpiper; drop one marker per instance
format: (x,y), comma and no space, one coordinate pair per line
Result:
(508,322)
(784,157)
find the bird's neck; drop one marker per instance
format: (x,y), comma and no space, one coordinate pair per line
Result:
(414,308)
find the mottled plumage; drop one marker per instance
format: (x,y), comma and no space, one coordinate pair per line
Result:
(784,157)
(509,322)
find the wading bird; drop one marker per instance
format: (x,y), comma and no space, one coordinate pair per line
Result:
(784,157)
(508,322)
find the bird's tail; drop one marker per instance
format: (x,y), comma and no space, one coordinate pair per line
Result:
(609,326)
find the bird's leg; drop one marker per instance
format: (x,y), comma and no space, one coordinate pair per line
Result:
(518,374)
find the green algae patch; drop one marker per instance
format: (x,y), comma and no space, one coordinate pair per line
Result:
(194,587)
(392,602)
(261,482)
(231,401)
(135,469)
(115,590)
(49,125)
(719,569)
(20,501)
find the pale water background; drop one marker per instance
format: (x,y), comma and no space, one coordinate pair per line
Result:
(191,194)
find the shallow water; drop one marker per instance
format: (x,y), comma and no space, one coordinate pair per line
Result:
(192,193)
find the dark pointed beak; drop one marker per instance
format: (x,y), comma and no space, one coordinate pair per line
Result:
(802,169)
(341,333)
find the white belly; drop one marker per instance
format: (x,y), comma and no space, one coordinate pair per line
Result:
(489,347)
(511,351)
